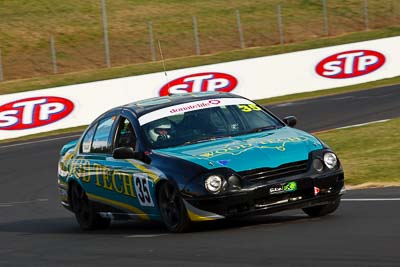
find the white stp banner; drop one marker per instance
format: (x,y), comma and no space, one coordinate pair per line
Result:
(317,69)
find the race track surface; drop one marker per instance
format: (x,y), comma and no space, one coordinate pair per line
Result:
(330,112)
(36,231)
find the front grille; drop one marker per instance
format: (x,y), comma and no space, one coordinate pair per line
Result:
(285,170)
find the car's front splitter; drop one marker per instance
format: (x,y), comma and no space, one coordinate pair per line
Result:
(264,200)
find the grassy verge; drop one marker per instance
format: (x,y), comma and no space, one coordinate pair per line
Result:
(369,154)
(26,27)
(178,63)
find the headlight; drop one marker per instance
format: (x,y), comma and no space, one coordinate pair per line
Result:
(330,160)
(214,184)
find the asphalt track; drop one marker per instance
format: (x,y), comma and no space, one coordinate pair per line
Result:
(342,110)
(36,231)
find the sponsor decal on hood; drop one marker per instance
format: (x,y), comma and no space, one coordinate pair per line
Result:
(236,148)
(266,149)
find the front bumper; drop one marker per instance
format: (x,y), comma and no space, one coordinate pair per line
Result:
(259,200)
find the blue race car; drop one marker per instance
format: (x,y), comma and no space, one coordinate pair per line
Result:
(195,157)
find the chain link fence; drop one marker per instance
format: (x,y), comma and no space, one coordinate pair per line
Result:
(120,32)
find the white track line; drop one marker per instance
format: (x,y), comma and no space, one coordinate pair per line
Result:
(40,141)
(145,236)
(283,105)
(361,124)
(9,204)
(370,199)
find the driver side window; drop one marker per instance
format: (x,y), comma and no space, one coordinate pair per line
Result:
(125,134)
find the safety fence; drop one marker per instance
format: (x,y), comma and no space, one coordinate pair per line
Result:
(45,37)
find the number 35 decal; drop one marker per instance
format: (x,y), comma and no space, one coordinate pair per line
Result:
(249,108)
(143,190)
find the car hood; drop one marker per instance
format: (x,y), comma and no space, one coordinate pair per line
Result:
(258,150)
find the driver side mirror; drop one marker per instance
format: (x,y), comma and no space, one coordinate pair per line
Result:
(127,153)
(290,121)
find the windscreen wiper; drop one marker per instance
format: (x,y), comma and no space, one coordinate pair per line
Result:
(263,128)
(203,139)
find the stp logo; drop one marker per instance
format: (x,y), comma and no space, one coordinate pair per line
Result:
(350,64)
(34,112)
(200,82)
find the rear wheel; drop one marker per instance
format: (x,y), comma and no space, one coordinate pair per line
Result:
(172,209)
(86,216)
(319,211)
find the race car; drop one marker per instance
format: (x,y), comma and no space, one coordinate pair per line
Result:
(188,158)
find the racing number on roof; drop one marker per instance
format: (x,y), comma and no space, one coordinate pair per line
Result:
(249,108)
(143,190)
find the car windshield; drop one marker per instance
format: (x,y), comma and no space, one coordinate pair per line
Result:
(205,124)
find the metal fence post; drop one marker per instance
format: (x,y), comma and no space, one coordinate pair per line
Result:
(53,54)
(151,39)
(365,10)
(1,69)
(239,25)
(105,33)
(196,36)
(280,25)
(325,13)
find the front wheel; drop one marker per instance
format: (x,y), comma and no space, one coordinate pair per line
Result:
(86,216)
(172,209)
(319,211)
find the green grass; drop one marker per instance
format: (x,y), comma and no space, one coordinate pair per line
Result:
(48,81)
(369,154)
(26,26)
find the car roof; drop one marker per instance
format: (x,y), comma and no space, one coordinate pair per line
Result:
(142,107)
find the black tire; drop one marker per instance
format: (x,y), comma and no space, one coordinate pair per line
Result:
(86,216)
(319,211)
(172,209)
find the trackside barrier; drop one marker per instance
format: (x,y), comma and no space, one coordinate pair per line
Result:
(69,106)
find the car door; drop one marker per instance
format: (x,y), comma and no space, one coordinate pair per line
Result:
(133,180)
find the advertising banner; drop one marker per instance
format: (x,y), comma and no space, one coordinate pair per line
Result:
(317,69)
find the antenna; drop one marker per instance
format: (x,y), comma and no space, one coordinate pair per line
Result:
(163,62)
